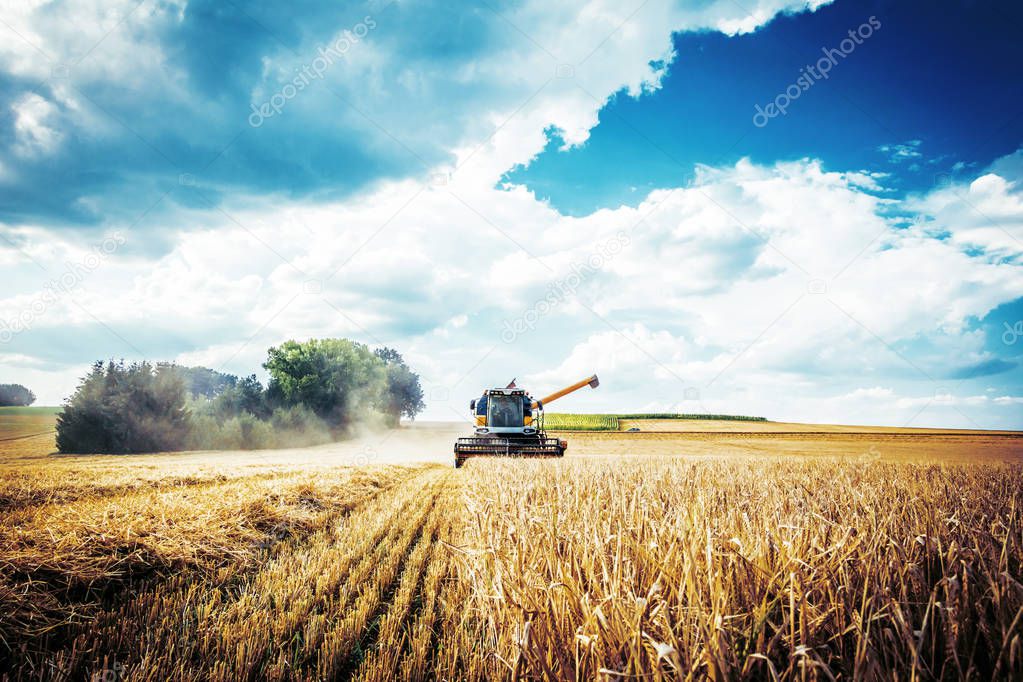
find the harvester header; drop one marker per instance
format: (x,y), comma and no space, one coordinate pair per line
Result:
(509,423)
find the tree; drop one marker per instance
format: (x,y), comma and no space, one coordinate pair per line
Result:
(15,395)
(335,378)
(121,409)
(389,355)
(203,382)
(246,396)
(403,396)
(316,389)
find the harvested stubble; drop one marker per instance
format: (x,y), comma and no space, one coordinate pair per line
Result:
(19,490)
(62,563)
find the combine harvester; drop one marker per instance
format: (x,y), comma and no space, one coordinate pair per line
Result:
(509,423)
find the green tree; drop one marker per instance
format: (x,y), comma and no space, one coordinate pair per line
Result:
(245,396)
(403,396)
(15,395)
(120,408)
(202,381)
(335,378)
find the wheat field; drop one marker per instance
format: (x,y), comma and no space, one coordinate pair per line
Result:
(623,567)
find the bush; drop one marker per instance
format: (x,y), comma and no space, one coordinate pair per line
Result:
(243,432)
(286,427)
(244,396)
(302,425)
(202,381)
(121,409)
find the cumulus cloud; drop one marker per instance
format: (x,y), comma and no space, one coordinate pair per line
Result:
(783,289)
(731,286)
(833,291)
(906,151)
(34,126)
(154,92)
(985,213)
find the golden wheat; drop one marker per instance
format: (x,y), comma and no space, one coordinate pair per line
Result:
(766,568)
(583,568)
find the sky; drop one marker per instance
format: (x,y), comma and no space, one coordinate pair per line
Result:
(808,211)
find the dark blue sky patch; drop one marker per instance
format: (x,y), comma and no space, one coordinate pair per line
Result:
(932,92)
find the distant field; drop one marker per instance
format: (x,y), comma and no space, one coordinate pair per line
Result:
(34,410)
(581,422)
(27,430)
(689,416)
(724,424)
(559,421)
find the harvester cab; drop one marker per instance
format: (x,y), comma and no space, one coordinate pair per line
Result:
(509,423)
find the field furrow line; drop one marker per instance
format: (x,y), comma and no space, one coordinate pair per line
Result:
(420,636)
(276,625)
(380,645)
(28,435)
(393,641)
(337,655)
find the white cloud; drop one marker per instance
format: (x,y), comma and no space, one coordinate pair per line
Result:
(714,288)
(114,40)
(897,153)
(34,125)
(781,290)
(986,214)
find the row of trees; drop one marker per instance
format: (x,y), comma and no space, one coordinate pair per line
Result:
(340,380)
(318,390)
(15,395)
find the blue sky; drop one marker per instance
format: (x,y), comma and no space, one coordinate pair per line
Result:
(196,181)
(929,93)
